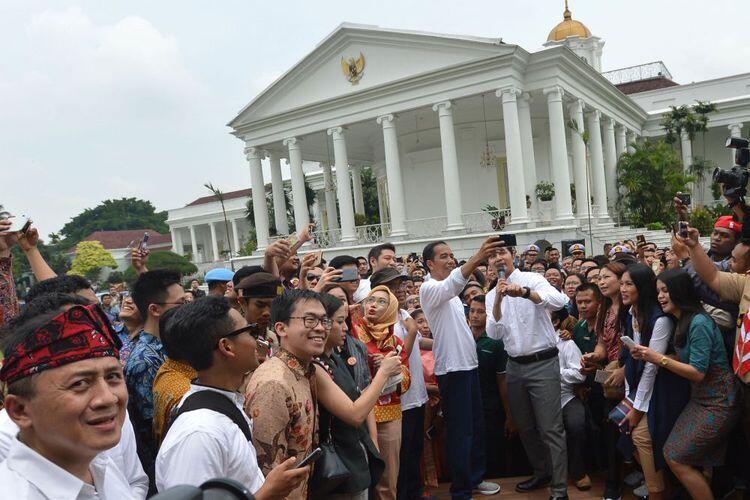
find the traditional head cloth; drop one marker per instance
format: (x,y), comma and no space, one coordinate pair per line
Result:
(81,332)
(727,222)
(379,329)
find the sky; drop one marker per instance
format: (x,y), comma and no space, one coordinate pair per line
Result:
(109,99)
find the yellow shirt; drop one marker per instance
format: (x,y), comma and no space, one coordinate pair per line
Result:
(171,383)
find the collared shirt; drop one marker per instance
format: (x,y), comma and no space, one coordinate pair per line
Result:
(570,369)
(171,383)
(27,475)
(492,361)
(525,327)
(124,454)
(663,328)
(584,338)
(280,402)
(454,346)
(204,444)
(416,395)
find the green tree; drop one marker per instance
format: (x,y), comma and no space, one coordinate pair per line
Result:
(651,175)
(114,215)
(90,258)
(273,231)
(164,260)
(370,195)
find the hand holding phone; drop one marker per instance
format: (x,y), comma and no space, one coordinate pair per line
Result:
(630,343)
(682,229)
(311,458)
(602,376)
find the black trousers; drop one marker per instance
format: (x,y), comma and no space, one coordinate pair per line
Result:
(574,419)
(410,483)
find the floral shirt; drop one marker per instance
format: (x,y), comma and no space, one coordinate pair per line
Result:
(610,337)
(280,400)
(8,298)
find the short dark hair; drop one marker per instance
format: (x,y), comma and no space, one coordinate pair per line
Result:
(429,250)
(478,298)
(42,304)
(343,260)
(244,272)
(542,262)
(283,306)
(375,251)
(553,249)
(151,287)
(191,331)
(212,285)
(590,287)
(330,303)
(416,313)
(362,258)
(67,283)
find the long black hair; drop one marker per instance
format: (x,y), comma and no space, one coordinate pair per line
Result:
(645,282)
(683,295)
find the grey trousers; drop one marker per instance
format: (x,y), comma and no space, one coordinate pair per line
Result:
(534,398)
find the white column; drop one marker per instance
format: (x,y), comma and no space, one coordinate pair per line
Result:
(559,157)
(235,238)
(610,161)
(396,200)
(630,140)
(451,178)
(279,200)
(318,206)
(260,209)
(514,155)
(343,184)
(598,181)
(176,241)
(687,151)
(193,244)
(527,145)
(330,190)
(299,199)
(359,198)
(735,130)
(579,159)
(621,140)
(214,241)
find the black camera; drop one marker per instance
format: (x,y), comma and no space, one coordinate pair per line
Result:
(213,489)
(735,179)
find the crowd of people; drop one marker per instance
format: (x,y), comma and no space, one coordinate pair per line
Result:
(379,376)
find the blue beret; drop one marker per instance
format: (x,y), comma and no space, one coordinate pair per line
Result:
(219,274)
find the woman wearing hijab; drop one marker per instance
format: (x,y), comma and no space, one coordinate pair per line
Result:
(376,331)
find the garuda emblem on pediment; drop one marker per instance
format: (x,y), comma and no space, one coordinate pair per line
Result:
(353,68)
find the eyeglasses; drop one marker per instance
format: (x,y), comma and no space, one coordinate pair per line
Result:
(178,303)
(312,277)
(375,300)
(313,321)
(251,328)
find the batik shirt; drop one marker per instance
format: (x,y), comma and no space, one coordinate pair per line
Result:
(280,402)
(172,382)
(8,298)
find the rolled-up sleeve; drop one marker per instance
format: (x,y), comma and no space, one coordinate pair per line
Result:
(435,292)
(495,329)
(552,299)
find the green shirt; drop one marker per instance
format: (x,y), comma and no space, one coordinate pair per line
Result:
(584,339)
(492,360)
(704,346)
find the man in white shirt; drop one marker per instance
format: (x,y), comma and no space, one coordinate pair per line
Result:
(379,257)
(204,443)
(520,318)
(413,401)
(456,364)
(67,395)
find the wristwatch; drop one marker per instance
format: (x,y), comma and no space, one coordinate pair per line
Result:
(664,361)
(526,293)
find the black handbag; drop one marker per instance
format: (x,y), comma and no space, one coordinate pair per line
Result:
(329,471)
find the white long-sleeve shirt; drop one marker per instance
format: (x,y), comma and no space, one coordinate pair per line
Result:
(416,395)
(453,345)
(525,327)
(570,369)
(663,329)
(123,455)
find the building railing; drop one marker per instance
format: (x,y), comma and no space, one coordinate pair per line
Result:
(369,234)
(429,226)
(636,73)
(485,222)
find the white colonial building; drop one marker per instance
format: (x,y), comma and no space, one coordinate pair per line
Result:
(451,124)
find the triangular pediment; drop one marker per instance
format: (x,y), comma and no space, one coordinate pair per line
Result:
(383,56)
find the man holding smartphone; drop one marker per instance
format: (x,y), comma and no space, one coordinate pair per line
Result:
(521,303)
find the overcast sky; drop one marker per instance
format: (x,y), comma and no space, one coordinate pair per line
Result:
(105,99)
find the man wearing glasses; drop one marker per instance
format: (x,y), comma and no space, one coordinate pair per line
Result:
(154,293)
(210,435)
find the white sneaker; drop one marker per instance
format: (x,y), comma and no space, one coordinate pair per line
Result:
(487,488)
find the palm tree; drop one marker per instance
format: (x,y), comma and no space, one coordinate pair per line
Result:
(220,196)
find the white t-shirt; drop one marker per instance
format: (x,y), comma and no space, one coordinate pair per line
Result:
(453,345)
(124,455)
(204,444)
(27,475)
(416,396)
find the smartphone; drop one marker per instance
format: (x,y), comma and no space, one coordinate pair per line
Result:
(144,242)
(602,376)
(311,458)
(509,239)
(684,199)
(292,239)
(349,274)
(318,258)
(640,239)
(682,229)
(628,341)
(19,224)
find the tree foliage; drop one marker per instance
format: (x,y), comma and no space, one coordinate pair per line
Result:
(90,258)
(370,195)
(114,215)
(164,260)
(651,175)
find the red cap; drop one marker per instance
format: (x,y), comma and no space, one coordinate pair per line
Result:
(727,222)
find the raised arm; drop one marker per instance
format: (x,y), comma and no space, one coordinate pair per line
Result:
(28,242)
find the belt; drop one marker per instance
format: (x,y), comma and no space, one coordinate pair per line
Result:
(537,356)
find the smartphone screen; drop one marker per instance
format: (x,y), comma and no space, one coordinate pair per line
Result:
(312,457)
(509,239)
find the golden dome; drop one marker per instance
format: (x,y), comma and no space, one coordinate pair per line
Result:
(568,27)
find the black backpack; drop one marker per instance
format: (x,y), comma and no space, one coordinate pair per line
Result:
(212,400)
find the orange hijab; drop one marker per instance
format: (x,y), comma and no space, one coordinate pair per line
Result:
(379,329)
